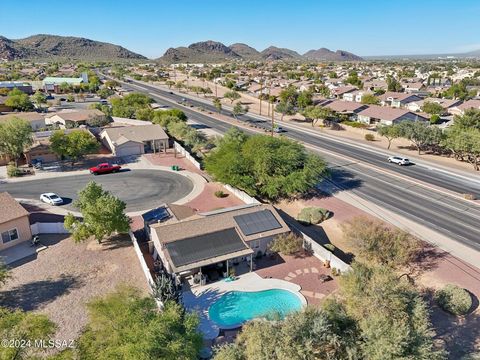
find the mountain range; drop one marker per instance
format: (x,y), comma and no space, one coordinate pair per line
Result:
(68,47)
(214,51)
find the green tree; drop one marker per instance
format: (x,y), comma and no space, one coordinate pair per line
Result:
(432,108)
(323,334)
(218,104)
(65,87)
(370,99)
(263,165)
(24,327)
(420,134)
(286,244)
(304,100)
(125,325)
(390,132)
(393,84)
(103,214)
(169,83)
(18,100)
(15,137)
(39,98)
(232,96)
(285,108)
(353,79)
(373,242)
(105,93)
(315,113)
(392,317)
(129,104)
(464,144)
(111,84)
(238,110)
(74,145)
(469,120)
(289,95)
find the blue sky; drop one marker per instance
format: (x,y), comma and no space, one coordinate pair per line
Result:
(364,27)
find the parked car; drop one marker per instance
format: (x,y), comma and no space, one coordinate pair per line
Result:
(398,160)
(104,168)
(51,198)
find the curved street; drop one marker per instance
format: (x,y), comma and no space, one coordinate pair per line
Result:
(139,189)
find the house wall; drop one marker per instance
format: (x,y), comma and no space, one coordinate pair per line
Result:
(23,228)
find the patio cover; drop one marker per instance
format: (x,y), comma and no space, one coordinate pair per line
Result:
(194,252)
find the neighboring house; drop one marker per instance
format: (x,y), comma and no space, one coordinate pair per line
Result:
(52,84)
(460,109)
(216,238)
(340,91)
(387,116)
(413,87)
(36,120)
(375,85)
(445,103)
(349,108)
(20,85)
(135,140)
(3,107)
(14,222)
(40,149)
(355,95)
(397,99)
(75,118)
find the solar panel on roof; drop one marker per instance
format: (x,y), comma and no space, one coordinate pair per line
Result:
(257,222)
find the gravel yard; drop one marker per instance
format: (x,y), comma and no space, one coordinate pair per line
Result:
(64,277)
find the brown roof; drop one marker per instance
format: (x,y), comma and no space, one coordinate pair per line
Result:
(181,212)
(28,116)
(136,133)
(343,90)
(397,96)
(470,104)
(79,115)
(385,112)
(219,220)
(344,106)
(10,208)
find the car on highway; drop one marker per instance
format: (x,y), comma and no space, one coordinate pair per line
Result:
(105,168)
(51,198)
(279,129)
(398,160)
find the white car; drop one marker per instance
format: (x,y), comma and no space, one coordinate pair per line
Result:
(398,160)
(51,198)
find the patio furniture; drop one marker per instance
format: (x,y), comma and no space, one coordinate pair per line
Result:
(324,278)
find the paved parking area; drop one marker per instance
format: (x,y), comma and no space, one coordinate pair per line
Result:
(64,277)
(141,189)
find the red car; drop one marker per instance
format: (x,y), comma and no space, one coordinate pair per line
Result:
(105,168)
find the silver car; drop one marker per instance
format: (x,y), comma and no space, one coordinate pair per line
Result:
(398,160)
(51,198)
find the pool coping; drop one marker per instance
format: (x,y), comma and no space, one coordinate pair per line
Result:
(199,299)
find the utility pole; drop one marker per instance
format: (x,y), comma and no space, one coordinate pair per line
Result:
(260,97)
(215,88)
(273,118)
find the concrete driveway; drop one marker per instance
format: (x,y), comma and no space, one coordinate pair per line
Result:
(141,189)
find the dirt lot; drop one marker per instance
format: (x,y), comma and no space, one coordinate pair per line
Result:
(65,276)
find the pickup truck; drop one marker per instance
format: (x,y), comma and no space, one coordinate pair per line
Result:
(104,168)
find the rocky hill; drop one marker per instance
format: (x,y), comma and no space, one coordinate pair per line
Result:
(273,53)
(213,51)
(200,52)
(245,51)
(325,54)
(68,47)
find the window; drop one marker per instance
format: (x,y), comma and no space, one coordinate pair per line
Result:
(9,235)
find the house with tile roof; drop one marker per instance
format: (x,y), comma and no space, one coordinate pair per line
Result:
(385,115)
(14,222)
(216,239)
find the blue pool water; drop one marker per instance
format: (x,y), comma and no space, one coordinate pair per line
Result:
(236,307)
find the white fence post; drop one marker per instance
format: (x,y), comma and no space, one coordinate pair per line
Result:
(187,155)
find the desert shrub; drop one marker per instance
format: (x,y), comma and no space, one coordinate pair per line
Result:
(355,124)
(336,272)
(286,244)
(369,137)
(434,119)
(13,171)
(454,299)
(219,194)
(313,215)
(329,247)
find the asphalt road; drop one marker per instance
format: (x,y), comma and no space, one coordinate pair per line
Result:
(140,189)
(446,214)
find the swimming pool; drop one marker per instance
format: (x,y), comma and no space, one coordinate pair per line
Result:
(235,307)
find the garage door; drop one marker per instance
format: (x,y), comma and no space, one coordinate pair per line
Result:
(129,149)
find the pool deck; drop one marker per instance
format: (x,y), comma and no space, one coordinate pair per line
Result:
(200,298)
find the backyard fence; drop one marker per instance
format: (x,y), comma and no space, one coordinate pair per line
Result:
(242,195)
(322,253)
(187,155)
(48,228)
